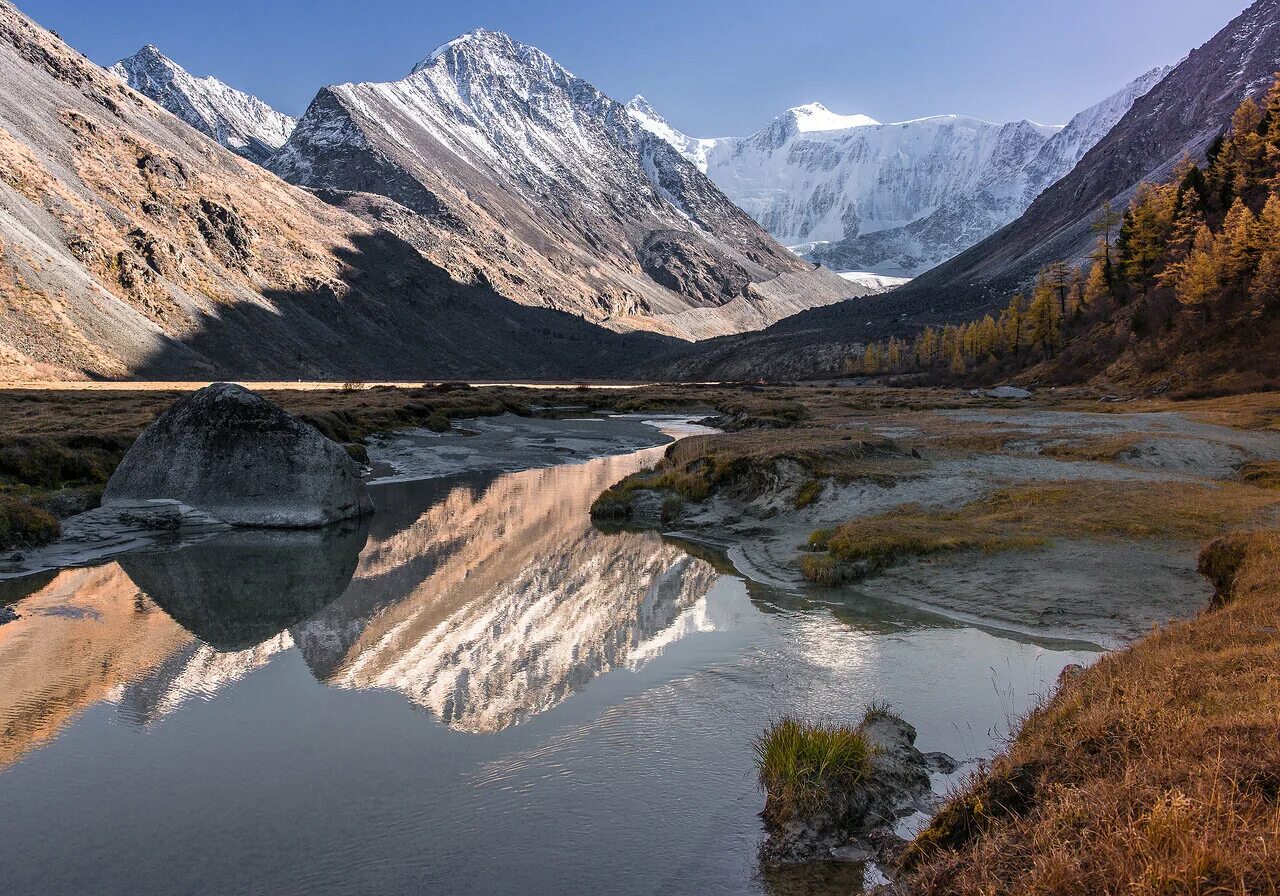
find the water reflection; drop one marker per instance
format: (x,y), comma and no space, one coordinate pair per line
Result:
(243,587)
(501,600)
(486,602)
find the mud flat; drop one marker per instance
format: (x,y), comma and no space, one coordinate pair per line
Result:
(1073,564)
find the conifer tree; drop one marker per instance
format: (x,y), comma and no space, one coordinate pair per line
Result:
(1199,282)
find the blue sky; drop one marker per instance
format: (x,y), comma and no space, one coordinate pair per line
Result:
(713,67)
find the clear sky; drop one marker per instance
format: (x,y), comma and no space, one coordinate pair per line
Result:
(713,67)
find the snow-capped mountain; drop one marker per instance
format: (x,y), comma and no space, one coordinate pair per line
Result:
(513,171)
(240,122)
(897,198)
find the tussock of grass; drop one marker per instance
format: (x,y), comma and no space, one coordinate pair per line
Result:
(1106,448)
(1157,771)
(808,493)
(1028,516)
(1262,473)
(805,765)
(22,525)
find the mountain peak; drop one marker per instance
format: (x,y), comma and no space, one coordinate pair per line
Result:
(817,117)
(481,42)
(239,121)
(642,106)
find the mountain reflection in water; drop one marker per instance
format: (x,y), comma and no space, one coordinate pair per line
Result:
(486,602)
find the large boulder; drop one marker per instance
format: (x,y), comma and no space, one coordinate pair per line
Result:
(242,459)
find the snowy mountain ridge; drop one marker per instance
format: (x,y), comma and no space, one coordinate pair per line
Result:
(893,199)
(239,121)
(517,172)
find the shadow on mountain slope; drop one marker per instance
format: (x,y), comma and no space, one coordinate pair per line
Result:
(391,314)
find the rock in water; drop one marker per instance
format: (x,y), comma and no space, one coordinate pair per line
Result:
(244,460)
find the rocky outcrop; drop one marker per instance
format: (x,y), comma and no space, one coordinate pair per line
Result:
(857,825)
(243,460)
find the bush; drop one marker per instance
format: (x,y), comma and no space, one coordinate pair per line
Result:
(438,422)
(805,766)
(808,493)
(22,525)
(357,452)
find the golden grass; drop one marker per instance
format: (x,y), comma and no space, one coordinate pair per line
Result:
(1028,516)
(1157,771)
(1104,448)
(1262,473)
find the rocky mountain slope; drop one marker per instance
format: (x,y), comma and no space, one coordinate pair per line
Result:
(132,245)
(896,199)
(507,169)
(1178,117)
(239,121)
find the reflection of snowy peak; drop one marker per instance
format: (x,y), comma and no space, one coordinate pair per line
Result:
(891,198)
(240,122)
(493,606)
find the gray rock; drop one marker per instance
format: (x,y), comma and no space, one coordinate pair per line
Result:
(243,460)
(1008,392)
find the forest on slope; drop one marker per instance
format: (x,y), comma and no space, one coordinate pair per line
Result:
(1181,294)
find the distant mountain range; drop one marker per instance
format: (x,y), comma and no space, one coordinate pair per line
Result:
(506,169)
(493,214)
(895,199)
(133,246)
(1179,117)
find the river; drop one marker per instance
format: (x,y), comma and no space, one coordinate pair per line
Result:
(475,693)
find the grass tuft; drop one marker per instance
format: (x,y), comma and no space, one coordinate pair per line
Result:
(22,525)
(805,766)
(808,493)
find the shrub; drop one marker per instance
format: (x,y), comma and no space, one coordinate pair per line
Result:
(808,493)
(823,569)
(1264,474)
(805,766)
(438,422)
(22,525)
(671,508)
(357,452)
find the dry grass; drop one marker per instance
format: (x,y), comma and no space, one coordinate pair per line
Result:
(1105,448)
(22,525)
(1030,515)
(1157,771)
(1262,473)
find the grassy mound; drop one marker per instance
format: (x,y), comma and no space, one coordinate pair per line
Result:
(1028,516)
(804,765)
(22,525)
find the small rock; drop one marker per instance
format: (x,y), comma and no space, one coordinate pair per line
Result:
(1069,671)
(8,614)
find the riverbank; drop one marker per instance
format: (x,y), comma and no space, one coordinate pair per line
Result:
(1008,515)
(1154,771)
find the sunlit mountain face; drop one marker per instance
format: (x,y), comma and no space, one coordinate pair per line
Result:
(485,602)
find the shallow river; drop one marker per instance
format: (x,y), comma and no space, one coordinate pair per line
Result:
(477,694)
